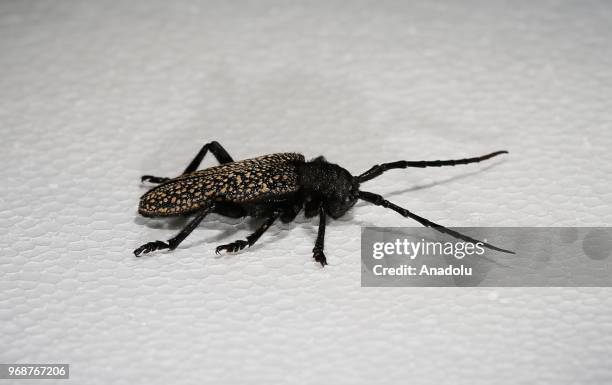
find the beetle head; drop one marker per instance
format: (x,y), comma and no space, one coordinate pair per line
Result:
(329,185)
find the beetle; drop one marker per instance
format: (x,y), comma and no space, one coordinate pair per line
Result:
(271,187)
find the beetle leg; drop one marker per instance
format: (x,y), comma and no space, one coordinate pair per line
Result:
(318,254)
(251,239)
(216,149)
(174,242)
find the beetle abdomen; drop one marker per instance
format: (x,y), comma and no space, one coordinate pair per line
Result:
(249,180)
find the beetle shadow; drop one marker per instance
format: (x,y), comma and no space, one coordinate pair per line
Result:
(246,226)
(228,228)
(446,180)
(283,230)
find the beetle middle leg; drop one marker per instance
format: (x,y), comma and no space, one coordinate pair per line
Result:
(175,241)
(251,239)
(214,147)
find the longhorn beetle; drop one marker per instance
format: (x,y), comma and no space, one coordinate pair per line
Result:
(271,187)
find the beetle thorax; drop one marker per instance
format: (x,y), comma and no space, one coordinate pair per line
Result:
(328,185)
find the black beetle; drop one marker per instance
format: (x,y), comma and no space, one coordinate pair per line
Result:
(271,187)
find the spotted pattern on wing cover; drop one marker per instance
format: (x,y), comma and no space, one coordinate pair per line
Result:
(244,181)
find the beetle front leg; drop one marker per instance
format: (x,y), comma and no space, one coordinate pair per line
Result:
(318,254)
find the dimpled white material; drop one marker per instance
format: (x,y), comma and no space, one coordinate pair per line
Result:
(96,93)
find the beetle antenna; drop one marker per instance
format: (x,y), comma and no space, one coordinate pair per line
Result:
(378,169)
(380,201)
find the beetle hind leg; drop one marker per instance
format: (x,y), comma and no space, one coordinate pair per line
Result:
(214,147)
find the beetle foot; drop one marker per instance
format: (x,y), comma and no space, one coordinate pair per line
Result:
(232,247)
(151,246)
(153,179)
(319,256)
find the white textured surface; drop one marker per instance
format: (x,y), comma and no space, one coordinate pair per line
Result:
(94,94)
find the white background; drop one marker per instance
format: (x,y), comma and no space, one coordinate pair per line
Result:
(96,93)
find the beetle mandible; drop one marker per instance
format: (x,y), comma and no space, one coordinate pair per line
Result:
(271,187)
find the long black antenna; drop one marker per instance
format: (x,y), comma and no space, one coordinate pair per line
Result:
(378,169)
(380,201)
